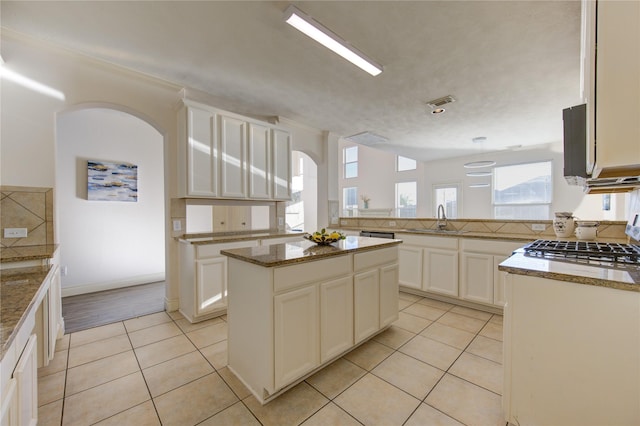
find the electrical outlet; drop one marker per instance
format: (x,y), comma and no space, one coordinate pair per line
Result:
(392,223)
(64,271)
(15,232)
(344,222)
(177,225)
(281,221)
(538,227)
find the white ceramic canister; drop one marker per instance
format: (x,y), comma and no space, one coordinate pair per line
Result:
(586,230)
(563,224)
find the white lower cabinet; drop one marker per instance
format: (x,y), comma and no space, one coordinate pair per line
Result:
(366,293)
(296,332)
(286,322)
(336,317)
(410,260)
(480,279)
(26,375)
(203,279)
(440,271)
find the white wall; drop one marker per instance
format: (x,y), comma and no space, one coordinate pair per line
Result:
(377,178)
(108,244)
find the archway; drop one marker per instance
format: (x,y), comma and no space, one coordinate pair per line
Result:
(109,244)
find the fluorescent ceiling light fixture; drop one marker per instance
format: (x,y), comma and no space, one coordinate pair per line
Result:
(479,185)
(17,78)
(312,28)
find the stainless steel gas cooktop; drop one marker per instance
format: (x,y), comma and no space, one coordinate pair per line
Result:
(581,251)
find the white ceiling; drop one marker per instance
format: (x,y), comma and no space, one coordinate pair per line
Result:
(511,65)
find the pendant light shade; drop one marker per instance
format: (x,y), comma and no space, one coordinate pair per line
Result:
(478,164)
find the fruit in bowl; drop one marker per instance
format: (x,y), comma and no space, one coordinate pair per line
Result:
(324,237)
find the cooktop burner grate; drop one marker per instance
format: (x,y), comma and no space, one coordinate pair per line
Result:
(585,250)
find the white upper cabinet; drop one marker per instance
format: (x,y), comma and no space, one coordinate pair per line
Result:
(225,155)
(198,152)
(616,85)
(233,146)
(281,167)
(258,156)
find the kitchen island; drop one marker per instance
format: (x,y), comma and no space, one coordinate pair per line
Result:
(293,308)
(571,342)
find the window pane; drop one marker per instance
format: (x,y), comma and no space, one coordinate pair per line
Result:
(406,196)
(448,197)
(351,170)
(351,154)
(405,163)
(523,184)
(350,197)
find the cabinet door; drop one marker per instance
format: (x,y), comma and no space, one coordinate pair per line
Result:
(410,260)
(26,375)
(389,294)
(9,405)
(498,281)
(55,312)
(477,277)
(440,271)
(259,153)
(281,164)
(366,299)
(336,317)
(233,141)
(296,334)
(202,153)
(211,288)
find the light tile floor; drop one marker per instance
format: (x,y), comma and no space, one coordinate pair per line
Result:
(438,364)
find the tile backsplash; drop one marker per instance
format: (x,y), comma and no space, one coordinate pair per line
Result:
(26,207)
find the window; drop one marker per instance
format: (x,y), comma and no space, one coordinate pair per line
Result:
(447,195)
(350,162)
(522,191)
(406,195)
(404,163)
(350,198)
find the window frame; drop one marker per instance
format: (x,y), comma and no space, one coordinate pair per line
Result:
(346,163)
(397,203)
(398,157)
(457,185)
(549,204)
(344,204)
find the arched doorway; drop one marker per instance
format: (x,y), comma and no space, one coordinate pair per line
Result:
(106,245)
(302,211)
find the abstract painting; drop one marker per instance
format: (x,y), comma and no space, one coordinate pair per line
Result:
(112,181)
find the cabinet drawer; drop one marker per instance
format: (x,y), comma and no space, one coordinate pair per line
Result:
(370,259)
(490,246)
(292,276)
(211,250)
(447,243)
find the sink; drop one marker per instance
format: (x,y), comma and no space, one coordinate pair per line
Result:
(438,231)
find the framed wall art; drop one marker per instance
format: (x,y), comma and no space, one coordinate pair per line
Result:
(108,181)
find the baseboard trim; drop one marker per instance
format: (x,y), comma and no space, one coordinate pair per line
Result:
(171,305)
(110,285)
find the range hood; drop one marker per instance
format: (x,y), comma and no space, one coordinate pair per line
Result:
(575,159)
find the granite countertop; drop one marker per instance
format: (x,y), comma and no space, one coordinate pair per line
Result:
(228,237)
(621,277)
(303,250)
(18,254)
(19,289)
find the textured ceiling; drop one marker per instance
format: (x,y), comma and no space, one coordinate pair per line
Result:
(511,65)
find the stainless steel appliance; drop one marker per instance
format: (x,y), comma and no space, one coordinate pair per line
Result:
(377,234)
(585,252)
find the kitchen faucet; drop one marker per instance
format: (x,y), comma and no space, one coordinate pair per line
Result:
(441,223)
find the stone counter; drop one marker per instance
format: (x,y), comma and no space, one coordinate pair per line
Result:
(23,253)
(619,277)
(304,250)
(228,237)
(20,289)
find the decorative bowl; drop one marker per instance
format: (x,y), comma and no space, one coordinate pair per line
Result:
(324,238)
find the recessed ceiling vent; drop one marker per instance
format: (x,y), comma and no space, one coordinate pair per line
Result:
(438,103)
(367,138)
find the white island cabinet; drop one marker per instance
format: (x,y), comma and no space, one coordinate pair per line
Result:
(295,307)
(571,349)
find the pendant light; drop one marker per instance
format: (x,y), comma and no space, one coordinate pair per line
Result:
(480,163)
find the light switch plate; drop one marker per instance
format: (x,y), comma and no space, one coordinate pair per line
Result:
(177,225)
(15,232)
(538,227)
